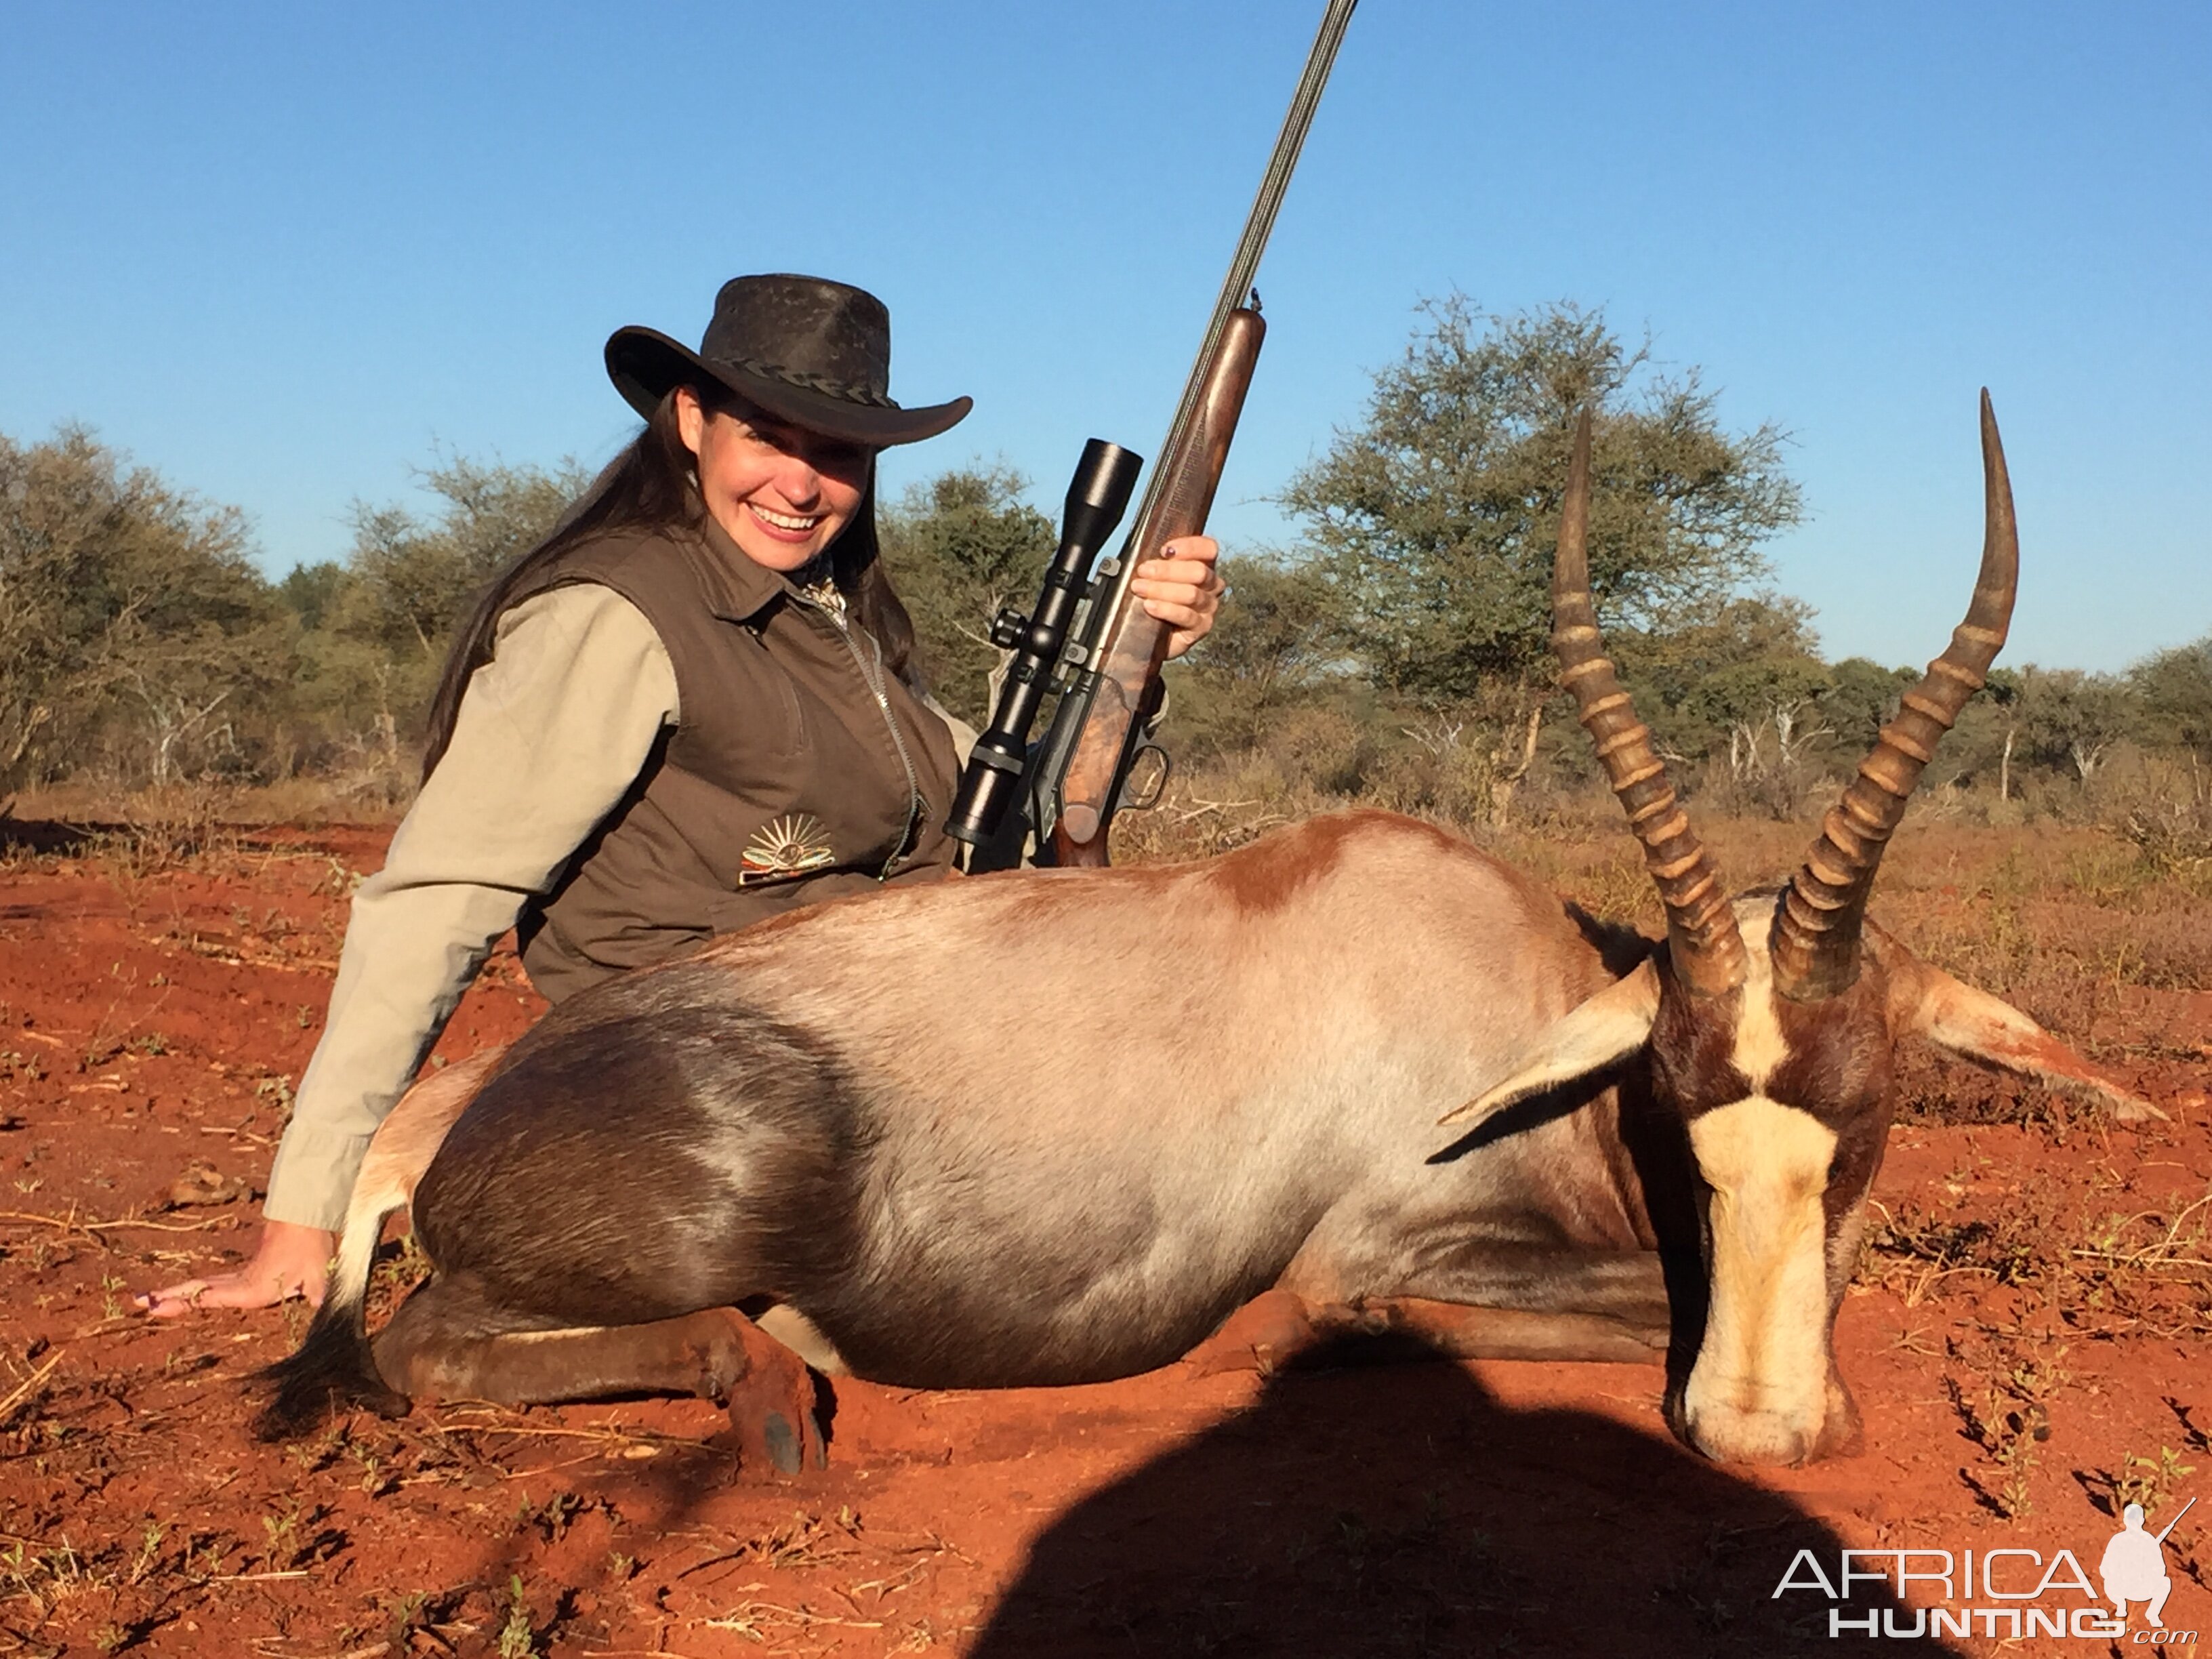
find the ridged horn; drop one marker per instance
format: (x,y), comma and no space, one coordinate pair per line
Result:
(1701,930)
(1815,941)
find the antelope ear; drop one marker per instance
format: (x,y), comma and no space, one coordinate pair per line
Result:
(1610,1026)
(1956,1018)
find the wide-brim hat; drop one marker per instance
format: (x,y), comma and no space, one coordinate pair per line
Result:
(815,353)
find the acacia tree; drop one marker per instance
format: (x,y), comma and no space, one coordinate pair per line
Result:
(2069,717)
(1435,516)
(133,626)
(1760,698)
(414,579)
(958,548)
(380,627)
(2175,688)
(1279,640)
(1698,683)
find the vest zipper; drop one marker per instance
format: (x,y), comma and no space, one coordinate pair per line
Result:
(874,680)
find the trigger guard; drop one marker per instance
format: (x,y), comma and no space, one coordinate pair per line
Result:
(1129,801)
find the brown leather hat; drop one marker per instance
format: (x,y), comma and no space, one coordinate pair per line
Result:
(815,353)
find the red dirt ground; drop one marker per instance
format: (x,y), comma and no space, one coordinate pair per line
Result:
(2028,1342)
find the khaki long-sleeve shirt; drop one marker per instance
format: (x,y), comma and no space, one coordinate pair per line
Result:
(550,736)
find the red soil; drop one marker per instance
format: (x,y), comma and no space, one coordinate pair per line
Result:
(148,1022)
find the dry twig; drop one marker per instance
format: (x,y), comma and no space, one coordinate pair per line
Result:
(29,1383)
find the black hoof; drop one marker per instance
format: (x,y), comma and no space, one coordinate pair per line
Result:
(783,1443)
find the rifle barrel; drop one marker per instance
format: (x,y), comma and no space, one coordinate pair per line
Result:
(1244,265)
(2176,1521)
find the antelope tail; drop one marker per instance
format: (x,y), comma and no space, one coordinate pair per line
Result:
(333,1367)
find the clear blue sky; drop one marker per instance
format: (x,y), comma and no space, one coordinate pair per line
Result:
(284,253)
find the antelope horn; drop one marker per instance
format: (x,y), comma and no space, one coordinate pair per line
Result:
(1701,931)
(1815,941)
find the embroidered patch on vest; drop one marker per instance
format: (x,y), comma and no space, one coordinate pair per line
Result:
(785,847)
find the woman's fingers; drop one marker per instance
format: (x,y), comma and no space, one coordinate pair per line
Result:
(1185,562)
(289,1260)
(226,1291)
(1182,610)
(1183,589)
(172,1301)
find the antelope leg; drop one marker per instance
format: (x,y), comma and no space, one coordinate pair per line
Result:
(446,1342)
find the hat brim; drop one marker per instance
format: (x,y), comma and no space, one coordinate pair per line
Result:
(644,363)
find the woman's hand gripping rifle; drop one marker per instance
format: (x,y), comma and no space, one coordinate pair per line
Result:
(1109,673)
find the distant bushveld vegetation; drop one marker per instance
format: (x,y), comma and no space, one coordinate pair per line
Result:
(1397,653)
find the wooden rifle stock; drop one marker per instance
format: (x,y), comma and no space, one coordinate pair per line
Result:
(1133,643)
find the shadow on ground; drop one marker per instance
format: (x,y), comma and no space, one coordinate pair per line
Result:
(45,836)
(1360,1510)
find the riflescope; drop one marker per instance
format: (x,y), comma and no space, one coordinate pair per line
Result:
(1096,500)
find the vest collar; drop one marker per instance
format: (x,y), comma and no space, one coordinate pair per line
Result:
(739,588)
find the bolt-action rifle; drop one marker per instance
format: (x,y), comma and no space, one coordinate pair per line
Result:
(1089,637)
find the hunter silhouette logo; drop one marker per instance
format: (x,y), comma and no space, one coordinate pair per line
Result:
(784,848)
(2134,1566)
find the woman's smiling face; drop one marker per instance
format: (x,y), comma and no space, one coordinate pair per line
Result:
(783,494)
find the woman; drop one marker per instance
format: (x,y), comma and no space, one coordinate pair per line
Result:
(692,707)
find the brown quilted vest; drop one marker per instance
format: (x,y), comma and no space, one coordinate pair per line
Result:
(800,769)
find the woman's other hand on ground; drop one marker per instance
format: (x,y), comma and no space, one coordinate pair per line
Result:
(1183,589)
(290,1260)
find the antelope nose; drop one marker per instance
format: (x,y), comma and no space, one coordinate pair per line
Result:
(1767,1437)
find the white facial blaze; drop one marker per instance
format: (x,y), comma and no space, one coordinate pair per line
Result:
(1758,1392)
(1759,1046)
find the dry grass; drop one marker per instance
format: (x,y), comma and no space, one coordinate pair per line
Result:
(2102,1273)
(1912,1252)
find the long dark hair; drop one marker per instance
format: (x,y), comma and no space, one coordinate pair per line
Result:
(648,486)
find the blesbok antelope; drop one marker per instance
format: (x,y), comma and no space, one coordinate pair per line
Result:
(892,1122)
